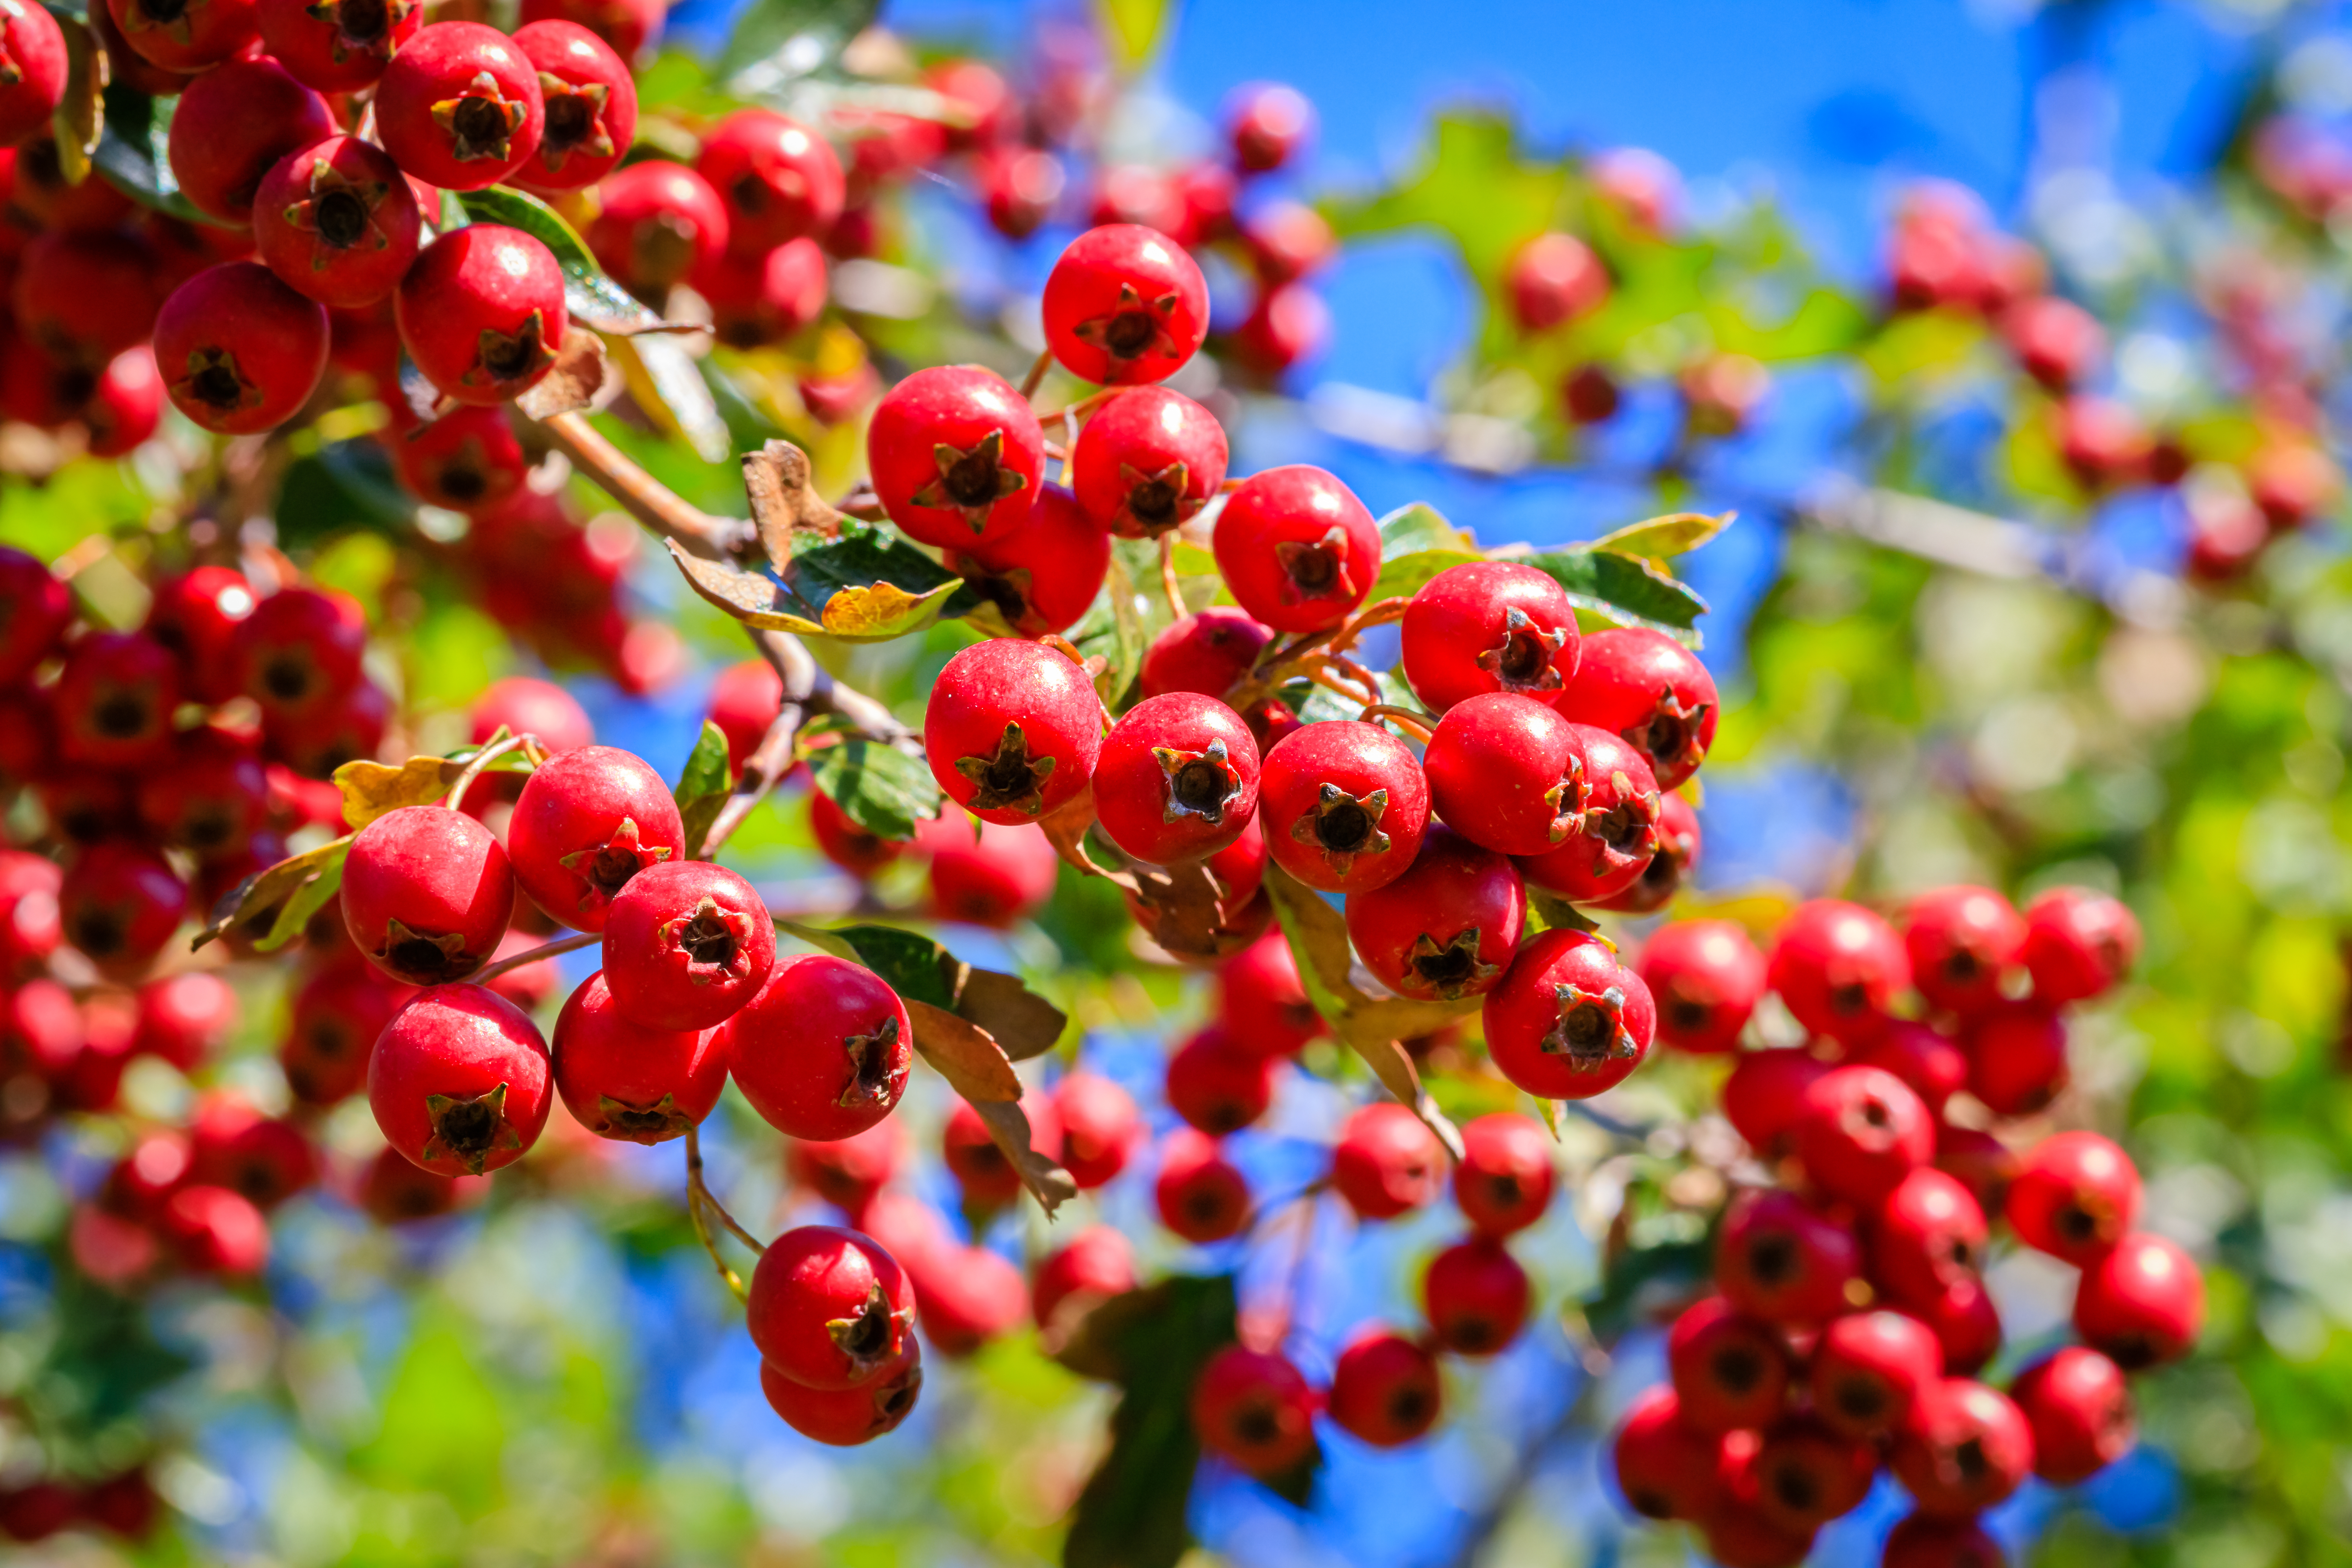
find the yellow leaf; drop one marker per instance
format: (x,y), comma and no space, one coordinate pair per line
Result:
(371,789)
(883,611)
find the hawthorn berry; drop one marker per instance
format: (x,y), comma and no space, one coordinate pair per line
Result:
(848,1171)
(2142,1303)
(588,821)
(1287,241)
(120,903)
(1447,928)
(87,805)
(1200,1195)
(84,297)
(845,842)
(426,894)
(239,352)
(1554,277)
(1838,967)
(1147,461)
(1611,806)
(1966,1321)
(1934,1067)
(843,1418)
(211,800)
(1730,1372)
(745,701)
(34,82)
(2078,945)
(1266,125)
(824,1049)
(337,45)
(1920,1541)
(627,26)
(966,1295)
(1860,1131)
(1964,1448)
(1012,730)
(765,298)
(978,1164)
(1384,1389)
(1476,1297)
(460,1081)
(1261,1005)
(687,943)
(114,699)
(184,1019)
(264,1160)
(35,610)
(1047,576)
(1387,1162)
(829,1309)
(337,222)
(1498,771)
(1254,1409)
(2017,1058)
(1125,304)
(590,103)
(957,456)
(459,107)
(1095,1265)
(1504,1180)
(481,312)
(187,37)
(658,222)
(1567,1021)
(315,742)
(1100,1126)
(1651,690)
(468,461)
(995,880)
(1297,549)
(1778,1258)
(1487,626)
(1927,1237)
(232,124)
(1665,1468)
(780,180)
(1345,806)
(2074,1402)
(41,1031)
(1868,1369)
(1808,1473)
(127,405)
(1208,653)
(212,1230)
(1177,779)
(1960,940)
(2075,1196)
(394,1192)
(1217,1086)
(196,615)
(338,1013)
(1982,1163)
(623,1081)
(1706,977)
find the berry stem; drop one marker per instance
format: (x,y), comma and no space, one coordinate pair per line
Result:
(701,1208)
(644,498)
(1169,584)
(1403,717)
(773,758)
(1036,376)
(485,757)
(572,943)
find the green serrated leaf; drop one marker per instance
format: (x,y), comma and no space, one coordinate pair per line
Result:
(1662,537)
(915,965)
(326,882)
(1623,589)
(703,787)
(779,41)
(591,297)
(880,788)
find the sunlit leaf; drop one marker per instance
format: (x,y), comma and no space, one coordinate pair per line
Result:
(880,788)
(703,787)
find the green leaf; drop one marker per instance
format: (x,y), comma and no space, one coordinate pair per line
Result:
(1472,185)
(1403,576)
(703,787)
(308,900)
(778,41)
(880,788)
(1322,703)
(1662,537)
(1624,590)
(342,485)
(588,294)
(1418,526)
(130,154)
(853,588)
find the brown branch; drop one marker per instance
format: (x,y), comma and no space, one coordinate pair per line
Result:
(483,759)
(773,758)
(573,943)
(1403,717)
(1036,376)
(641,495)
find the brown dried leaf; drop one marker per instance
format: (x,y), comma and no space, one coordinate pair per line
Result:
(965,1053)
(583,377)
(751,597)
(1066,829)
(1021,1022)
(785,502)
(1050,1185)
(1393,1067)
(268,887)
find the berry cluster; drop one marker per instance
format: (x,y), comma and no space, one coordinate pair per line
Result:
(1851,1317)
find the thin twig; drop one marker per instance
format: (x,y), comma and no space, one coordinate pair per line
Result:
(573,943)
(1403,718)
(763,770)
(1169,584)
(701,1190)
(483,759)
(698,1195)
(644,496)
(1036,376)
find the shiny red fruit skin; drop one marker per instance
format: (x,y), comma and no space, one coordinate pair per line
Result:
(84,297)
(1920,1541)
(1266,125)
(780,180)
(589,104)
(337,1016)
(1012,730)
(337,47)
(1387,1162)
(264,1160)
(1959,940)
(687,943)
(1984,1165)
(1448,927)
(337,222)
(767,298)
(629,1083)
(1927,1238)
(2079,944)
(1385,1389)
(1254,1409)
(1200,1195)
(35,46)
(216,1231)
(496,124)
(2017,1058)
(1613,807)
(114,700)
(997,880)
(1476,1297)
(394,1192)
(1216,1086)
(1730,1372)
(1953,1417)
(745,701)
(197,615)
(1505,1179)
(1148,460)
(1807,1474)
(1287,241)
(823,1051)
(1665,1468)
(1020,185)
(120,904)
(1297,549)
(1260,1002)
(41,1031)
(35,610)
(459,1081)
(1095,1264)
(1344,806)
(185,1018)
(239,352)
(1932,1063)
(1567,1021)
(186,39)
(1485,627)
(1652,691)
(232,124)
(315,742)
(524,705)
(979,1166)
(1860,1131)
(2079,1410)
(844,1418)
(1176,779)
(1555,277)
(957,456)
(1967,1325)
(966,1295)
(830,1308)
(848,1171)
(1044,577)
(1781,1259)
(2142,1303)
(604,811)
(1125,305)
(1499,774)
(481,312)
(1706,977)
(1838,967)
(1100,1127)
(2074,1196)
(210,798)
(658,222)
(440,877)
(1869,1369)
(847,845)
(1207,653)
(627,25)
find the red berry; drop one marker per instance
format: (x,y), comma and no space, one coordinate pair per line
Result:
(1217,1086)
(35,47)
(1012,730)
(210,799)
(957,456)
(185,1018)
(1722,392)
(2017,1058)
(216,1231)
(1447,928)
(1286,241)
(1297,549)
(590,103)
(996,881)
(764,298)
(114,700)
(458,1081)
(1125,304)
(1706,977)
(829,1309)
(394,1192)
(481,312)
(1861,1132)
(1838,967)
(1099,1127)
(988,1180)
(427,893)
(2078,945)
(1476,1297)
(1919,1542)
(1730,1372)
(1590,396)
(1555,277)
(587,823)
(2079,1412)
(522,705)
(1959,940)
(337,222)
(847,845)
(966,1295)
(1254,1409)
(1266,122)
(1983,1163)
(745,701)
(35,610)
(1261,1003)
(1177,779)
(1869,1369)
(185,37)
(627,26)
(124,1505)
(1485,627)
(1665,1468)
(197,615)
(1207,653)
(315,742)
(623,1081)
(459,107)
(1965,1448)
(1567,1021)
(1148,460)
(233,1145)
(1504,1182)
(338,1013)
(848,1171)
(239,352)
(337,45)
(780,180)
(88,805)
(1967,1325)
(1047,576)
(687,943)
(843,1418)
(1020,186)
(2056,341)
(1499,774)
(1650,689)
(1095,1265)
(2142,1303)
(41,1031)
(1613,807)
(1387,1162)
(2291,482)
(1807,1474)
(1931,1064)
(232,124)
(2074,1196)
(1200,1195)
(85,297)
(1927,1237)
(659,221)
(119,905)
(2104,445)
(1385,1389)
(1344,806)
(1778,1258)
(823,1051)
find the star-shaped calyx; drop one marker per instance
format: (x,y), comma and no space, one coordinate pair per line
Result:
(1316,568)
(1132,328)
(1625,831)
(481,121)
(715,940)
(971,480)
(361,27)
(1592,1030)
(469,1128)
(1009,779)
(1197,783)
(872,1061)
(1152,503)
(1522,661)
(603,869)
(574,120)
(1450,971)
(502,359)
(1669,736)
(340,211)
(656,1123)
(872,1337)
(213,379)
(1344,825)
(425,958)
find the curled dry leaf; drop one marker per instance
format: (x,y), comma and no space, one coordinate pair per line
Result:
(966,1054)
(785,502)
(275,885)
(583,378)
(1050,1185)
(371,789)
